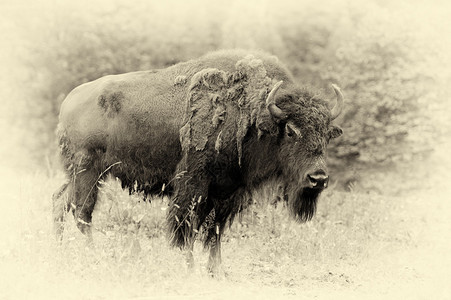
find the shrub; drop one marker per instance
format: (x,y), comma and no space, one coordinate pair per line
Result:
(383,65)
(373,52)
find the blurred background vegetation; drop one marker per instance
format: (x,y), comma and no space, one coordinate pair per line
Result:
(389,58)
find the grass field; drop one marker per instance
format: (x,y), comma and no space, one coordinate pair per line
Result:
(388,237)
(385,235)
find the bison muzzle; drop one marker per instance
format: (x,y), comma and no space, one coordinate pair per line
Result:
(210,130)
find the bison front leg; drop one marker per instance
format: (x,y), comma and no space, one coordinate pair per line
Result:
(214,260)
(188,209)
(222,212)
(184,223)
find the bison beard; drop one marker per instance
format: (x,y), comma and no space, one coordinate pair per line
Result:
(302,203)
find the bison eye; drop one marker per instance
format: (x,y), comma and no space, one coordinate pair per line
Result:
(289,131)
(292,131)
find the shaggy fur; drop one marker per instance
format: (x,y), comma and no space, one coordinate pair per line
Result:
(202,130)
(226,158)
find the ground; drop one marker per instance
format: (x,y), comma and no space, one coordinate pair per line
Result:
(386,237)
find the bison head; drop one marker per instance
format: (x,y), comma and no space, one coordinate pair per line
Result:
(304,131)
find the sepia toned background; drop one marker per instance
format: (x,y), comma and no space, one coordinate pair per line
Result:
(383,228)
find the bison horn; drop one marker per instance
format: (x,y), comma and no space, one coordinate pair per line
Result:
(275,111)
(336,110)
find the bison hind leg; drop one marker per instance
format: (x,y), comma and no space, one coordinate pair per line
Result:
(85,191)
(79,197)
(80,193)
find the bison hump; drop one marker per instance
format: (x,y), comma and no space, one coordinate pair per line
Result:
(222,105)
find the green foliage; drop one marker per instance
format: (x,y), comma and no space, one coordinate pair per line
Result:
(372,52)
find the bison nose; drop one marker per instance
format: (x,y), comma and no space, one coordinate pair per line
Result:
(318,180)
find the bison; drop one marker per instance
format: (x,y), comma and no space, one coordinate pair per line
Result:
(207,132)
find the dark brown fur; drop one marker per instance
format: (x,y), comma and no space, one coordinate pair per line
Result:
(209,138)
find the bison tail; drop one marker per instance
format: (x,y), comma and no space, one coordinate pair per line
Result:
(60,208)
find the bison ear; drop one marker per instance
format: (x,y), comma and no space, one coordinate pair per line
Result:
(335,132)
